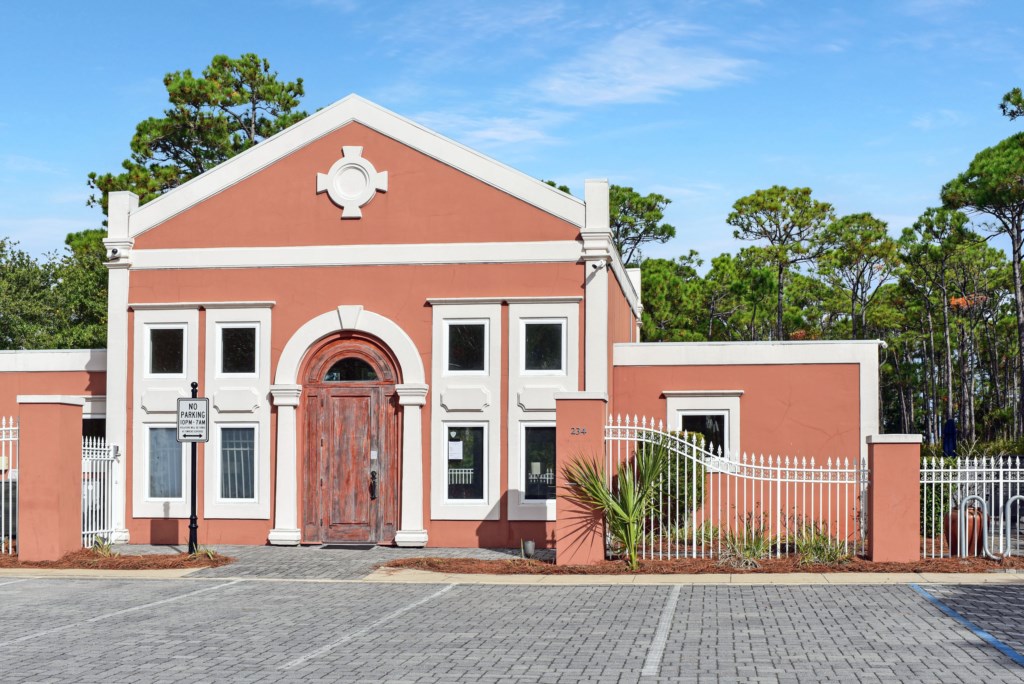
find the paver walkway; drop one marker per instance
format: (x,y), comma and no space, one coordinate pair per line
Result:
(275,625)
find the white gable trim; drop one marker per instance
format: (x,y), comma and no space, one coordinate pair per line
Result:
(328,120)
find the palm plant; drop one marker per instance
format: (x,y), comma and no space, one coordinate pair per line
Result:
(625,505)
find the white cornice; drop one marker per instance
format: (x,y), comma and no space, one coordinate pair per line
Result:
(53,360)
(327,120)
(568,299)
(560,251)
(702,393)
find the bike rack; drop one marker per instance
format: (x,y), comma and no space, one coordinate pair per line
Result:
(1006,522)
(961,542)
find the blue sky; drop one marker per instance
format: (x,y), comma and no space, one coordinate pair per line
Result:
(874,105)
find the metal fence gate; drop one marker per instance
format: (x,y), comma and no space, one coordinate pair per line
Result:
(972,506)
(8,486)
(707,503)
(98,463)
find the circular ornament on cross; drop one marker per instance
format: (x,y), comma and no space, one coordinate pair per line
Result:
(352,182)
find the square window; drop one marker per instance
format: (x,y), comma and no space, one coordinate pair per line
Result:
(465,454)
(165,464)
(467,347)
(238,350)
(166,351)
(238,463)
(539,462)
(713,427)
(544,346)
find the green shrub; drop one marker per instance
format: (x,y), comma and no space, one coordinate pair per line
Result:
(754,543)
(816,547)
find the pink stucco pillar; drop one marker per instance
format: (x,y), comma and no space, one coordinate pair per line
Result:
(894,498)
(579,433)
(49,476)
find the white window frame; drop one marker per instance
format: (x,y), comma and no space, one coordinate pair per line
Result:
(523,322)
(147,368)
(219,345)
(523,426)
(707,402)
(230,397)
(447,425)
(219,458)
(445,371)
(185,470)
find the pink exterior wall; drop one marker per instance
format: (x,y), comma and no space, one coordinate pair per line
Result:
(427,201)
(68,383)
(621,327)
(792,410)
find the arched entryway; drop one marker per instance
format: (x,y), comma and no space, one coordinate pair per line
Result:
(352,456)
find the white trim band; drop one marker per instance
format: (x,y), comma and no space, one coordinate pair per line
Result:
(555,251)
(53,360)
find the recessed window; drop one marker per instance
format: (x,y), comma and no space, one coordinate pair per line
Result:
(539,462)
(467,347)
(167,351)
(165,465)
(713,427)
(544,346)
(465,455)
(238,350)
(238,463)
(351,370)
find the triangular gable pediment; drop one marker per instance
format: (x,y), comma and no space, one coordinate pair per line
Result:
(324,122)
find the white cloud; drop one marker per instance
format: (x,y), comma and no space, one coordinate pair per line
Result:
(489,132)
(942,118)
(640,64)
(20,164)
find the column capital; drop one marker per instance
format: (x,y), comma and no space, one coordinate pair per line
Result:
(412,394)
(286,395)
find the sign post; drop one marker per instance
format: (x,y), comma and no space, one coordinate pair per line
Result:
(193,427)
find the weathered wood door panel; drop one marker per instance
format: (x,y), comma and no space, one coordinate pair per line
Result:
(346,466)
(351,475)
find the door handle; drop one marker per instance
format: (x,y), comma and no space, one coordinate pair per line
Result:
(373,484)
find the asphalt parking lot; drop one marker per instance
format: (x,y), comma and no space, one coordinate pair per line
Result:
(217,629)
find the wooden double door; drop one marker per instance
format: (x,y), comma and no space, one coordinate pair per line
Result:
(351,466)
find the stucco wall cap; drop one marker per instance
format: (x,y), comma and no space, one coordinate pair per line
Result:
(895,439)
(576,396)
(50,399)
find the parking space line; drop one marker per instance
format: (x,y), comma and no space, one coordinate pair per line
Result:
(978,631)
(292,664)
(4,584)
(105,616)
(657,650)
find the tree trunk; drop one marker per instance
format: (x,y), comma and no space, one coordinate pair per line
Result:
(778,311)
(1018,299)
(949,352)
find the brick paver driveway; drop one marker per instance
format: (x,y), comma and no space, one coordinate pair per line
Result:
(217,629)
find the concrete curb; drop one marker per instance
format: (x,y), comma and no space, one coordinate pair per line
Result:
(407,576)
(172,573)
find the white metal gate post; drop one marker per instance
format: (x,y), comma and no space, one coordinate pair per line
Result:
(8,485)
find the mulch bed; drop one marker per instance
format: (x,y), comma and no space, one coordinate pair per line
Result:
(696,566)
(88,559)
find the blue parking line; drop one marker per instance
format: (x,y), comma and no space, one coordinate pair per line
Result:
(985,636)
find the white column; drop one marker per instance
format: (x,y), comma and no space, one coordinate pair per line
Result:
(286,506)
(597,246)
(412,397)
(119,248)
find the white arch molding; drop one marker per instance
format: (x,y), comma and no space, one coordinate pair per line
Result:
(412,395)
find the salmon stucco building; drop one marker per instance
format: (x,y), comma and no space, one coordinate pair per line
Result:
(384,322)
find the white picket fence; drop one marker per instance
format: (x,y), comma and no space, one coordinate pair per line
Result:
(98,463)
(708,503)
(985,494)
(8,485)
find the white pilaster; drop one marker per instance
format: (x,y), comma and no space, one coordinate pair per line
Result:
(597,250)
(286,507)
(119,248)
(412,397)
